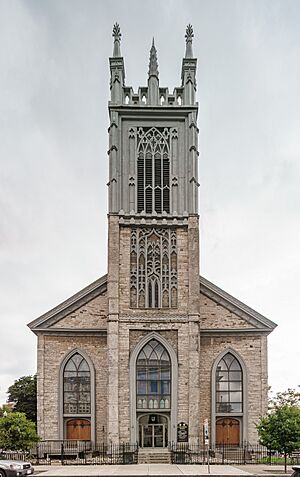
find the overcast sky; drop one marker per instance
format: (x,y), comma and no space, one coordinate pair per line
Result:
(54,88)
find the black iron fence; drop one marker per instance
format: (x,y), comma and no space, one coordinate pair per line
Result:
(72,452)
(227,454)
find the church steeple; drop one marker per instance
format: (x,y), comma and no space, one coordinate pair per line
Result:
(189,35)
(117,40)
(153,82)
(117,70)
(153,63)
(188,71)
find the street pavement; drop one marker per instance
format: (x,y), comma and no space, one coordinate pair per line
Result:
(161,470)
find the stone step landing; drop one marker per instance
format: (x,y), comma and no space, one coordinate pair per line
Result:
(154,456)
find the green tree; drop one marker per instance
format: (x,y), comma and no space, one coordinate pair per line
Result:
(17,432)
(4,410)
(280,429)
(291,397)
(23,394)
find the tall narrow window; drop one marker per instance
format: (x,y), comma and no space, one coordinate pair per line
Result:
(153,170)
(229,385)
(76,386)
(153,377)
(153,268)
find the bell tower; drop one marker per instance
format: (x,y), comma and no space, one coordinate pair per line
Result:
(153,242)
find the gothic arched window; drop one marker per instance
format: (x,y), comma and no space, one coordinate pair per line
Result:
(76,386)
(153,377)
(153,268)
(229,385)
(153,170)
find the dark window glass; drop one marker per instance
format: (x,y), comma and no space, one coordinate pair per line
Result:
(229,385)
(77,386)
(153,364)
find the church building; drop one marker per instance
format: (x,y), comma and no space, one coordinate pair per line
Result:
(151,351)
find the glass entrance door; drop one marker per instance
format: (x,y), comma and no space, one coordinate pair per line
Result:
(153,430)
(153,435)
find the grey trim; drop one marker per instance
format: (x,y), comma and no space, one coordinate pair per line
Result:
(243,417)
(260,323)
(70,331)
(60,394)
(234,331)
(71,304)
(233,304)
(166,316)
(132,376)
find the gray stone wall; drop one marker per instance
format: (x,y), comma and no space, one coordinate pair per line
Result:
(91,315)
(51,352)
(252,349)
(214,316)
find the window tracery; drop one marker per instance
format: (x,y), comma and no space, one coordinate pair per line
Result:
(153,377)
(76,386)
(229,385)
(153,170)
(153,268)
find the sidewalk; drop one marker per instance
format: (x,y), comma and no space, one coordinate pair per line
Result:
(161,470)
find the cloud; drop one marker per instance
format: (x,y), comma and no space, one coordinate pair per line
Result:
(54,79)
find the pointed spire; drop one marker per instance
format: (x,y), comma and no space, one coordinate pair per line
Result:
(117,40)
(153,64)
(189,35)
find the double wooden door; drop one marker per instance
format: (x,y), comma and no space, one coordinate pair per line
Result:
(79,429)
(228,431)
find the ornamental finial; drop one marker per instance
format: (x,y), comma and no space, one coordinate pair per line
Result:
(153,64)
(117,40)
(189,35)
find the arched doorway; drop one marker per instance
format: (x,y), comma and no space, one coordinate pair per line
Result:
(153,431)
(78,429)
(228,400)
(228,431)
(153,384)
(153,394)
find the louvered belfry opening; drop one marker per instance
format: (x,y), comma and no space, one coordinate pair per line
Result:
(153,170)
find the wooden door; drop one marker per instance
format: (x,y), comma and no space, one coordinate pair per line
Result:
(79,429)
(228,431)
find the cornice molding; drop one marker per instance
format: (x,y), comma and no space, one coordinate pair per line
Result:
(259,324)
(232,304)
(233,331)
(70,332)
(98,287)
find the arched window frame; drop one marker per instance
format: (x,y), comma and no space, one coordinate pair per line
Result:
(174,379)
(61,420)
(242,415)
(153,166)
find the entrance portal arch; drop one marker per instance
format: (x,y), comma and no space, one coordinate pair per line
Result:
(155,388)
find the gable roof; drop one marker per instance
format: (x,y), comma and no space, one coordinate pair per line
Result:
(219,296)
(257,321)
(98,287)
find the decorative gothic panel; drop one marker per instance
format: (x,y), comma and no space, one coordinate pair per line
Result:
(153,170)
(153,268)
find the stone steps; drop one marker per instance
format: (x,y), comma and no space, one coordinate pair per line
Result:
(154,456)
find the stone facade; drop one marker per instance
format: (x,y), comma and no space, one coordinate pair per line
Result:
(97,375)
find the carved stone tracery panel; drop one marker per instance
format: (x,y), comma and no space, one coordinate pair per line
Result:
(153,268)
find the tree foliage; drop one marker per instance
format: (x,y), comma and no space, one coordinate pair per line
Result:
(23,394)
(17,432)
(280,429)
(291,397)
